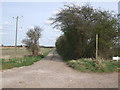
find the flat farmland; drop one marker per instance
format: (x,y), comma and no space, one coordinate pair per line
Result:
(9,52)
(23,57)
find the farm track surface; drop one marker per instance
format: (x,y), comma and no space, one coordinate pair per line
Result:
(52,72)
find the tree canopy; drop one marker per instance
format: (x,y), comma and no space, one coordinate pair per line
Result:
(32,39)
(80,24)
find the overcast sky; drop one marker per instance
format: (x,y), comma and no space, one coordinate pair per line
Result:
(37,13)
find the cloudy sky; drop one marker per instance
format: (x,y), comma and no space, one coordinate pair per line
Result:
(37,13)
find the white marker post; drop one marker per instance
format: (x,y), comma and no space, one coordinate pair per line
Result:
(116,58)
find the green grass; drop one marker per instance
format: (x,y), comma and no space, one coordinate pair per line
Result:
(24,60)
(87,65)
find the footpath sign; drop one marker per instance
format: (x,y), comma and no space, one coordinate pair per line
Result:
(116,58)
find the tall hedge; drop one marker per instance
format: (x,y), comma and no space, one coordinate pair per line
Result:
(80,24)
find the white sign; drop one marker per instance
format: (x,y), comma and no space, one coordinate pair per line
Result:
(116,58)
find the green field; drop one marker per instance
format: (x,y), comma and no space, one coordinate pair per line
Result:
(23,58)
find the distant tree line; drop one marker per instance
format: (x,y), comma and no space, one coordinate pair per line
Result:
(80,24)
(11,45)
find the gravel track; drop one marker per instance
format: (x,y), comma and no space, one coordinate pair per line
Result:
(52,72)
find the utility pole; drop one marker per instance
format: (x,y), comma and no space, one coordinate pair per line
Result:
(96,46)
(16,35)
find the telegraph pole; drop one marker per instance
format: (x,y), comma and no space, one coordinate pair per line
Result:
(96,46)
(16,35)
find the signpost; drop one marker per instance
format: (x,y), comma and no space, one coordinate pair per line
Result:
(96,46)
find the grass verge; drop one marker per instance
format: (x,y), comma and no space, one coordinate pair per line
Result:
(23,61)
(87,65)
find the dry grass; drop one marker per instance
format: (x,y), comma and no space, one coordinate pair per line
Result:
(23,58)
(9,52)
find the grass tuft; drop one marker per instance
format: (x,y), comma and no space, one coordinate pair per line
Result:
(87,65)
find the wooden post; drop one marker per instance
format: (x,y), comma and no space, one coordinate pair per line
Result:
(96,46)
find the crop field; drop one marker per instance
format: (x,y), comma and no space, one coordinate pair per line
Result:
(10,59)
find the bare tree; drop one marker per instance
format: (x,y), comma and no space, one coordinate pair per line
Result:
(32,39)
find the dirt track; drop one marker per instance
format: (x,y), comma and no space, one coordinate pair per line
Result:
(54,73)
